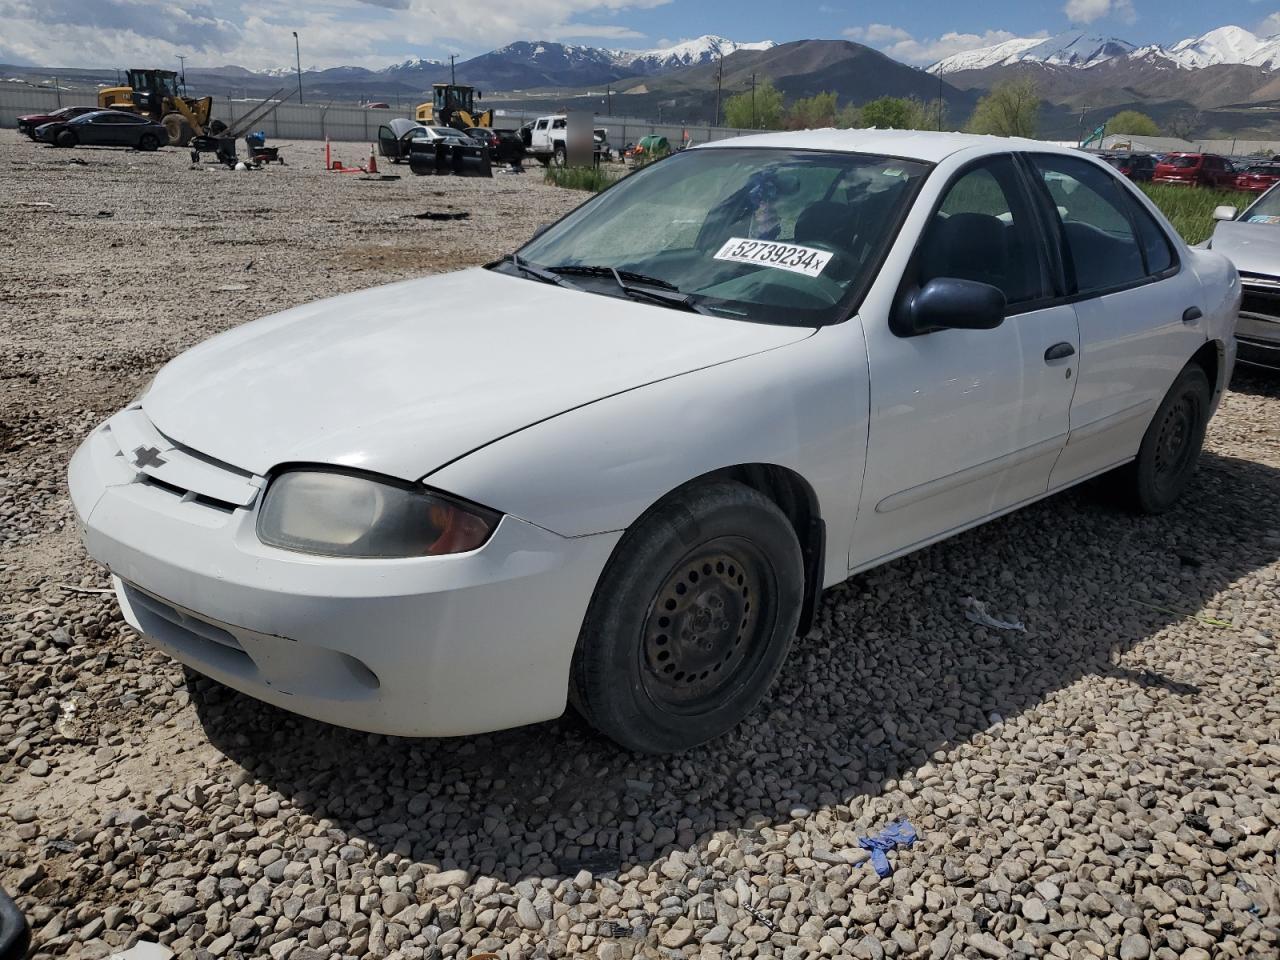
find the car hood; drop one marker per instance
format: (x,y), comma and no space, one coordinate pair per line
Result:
(1252,247)
(405,378)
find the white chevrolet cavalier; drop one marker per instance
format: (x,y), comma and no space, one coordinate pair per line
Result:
(742,374)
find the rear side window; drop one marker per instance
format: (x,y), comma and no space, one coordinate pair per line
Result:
(1099,237)
(1155,244)
(983,231)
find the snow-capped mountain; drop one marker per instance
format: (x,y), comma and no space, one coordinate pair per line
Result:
(702,50)
(1066,49)
(1230,45)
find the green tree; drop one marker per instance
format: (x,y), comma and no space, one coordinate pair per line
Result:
(767,110)
(814,112)
(1010,109)
(1133,123)
(899,113)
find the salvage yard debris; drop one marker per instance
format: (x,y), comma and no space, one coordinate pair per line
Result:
(976,612)
(897,834)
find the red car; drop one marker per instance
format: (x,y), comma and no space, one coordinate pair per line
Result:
(1258,177)
(1194,170)
(27,124)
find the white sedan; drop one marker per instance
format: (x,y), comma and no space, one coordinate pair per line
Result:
(741,375)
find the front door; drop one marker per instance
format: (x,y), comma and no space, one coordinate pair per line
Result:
(968,423)
(1139,311)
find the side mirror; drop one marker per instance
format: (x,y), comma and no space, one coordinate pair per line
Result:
(1224,213)
(949,303)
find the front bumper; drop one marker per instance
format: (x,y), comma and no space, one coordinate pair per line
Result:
(425,646)
(1258,327)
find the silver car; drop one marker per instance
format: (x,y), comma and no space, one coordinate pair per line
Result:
(1251,240)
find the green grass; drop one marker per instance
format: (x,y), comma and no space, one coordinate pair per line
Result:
(1190,209)
(593,179)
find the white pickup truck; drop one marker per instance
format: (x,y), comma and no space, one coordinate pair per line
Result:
(545,140)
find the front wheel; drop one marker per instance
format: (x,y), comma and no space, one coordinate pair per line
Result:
(65,138)
(1171,446)
(691,620)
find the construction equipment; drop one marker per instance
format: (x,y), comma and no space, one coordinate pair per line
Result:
(453,105)
(154,94)
(222,142)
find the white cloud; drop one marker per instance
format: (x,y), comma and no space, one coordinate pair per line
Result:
(1269,26)
(1087,11)
(901,45)
(370,33)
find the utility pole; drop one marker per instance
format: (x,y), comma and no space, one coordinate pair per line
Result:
(939,97)
(719,78)
(182,72)
(753,101)
(608,98)
(1083,111)
(297,52)
(453,76)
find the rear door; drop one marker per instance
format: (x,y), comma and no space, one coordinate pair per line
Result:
(968,423)
(1138,308)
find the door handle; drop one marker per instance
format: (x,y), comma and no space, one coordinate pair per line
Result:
(1191,315)
(1059,351)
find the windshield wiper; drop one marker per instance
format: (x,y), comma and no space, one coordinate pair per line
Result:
(538,273)
(654,289)
(593,271)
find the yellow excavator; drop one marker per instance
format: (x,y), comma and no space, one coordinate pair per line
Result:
(154,94)
(453,105)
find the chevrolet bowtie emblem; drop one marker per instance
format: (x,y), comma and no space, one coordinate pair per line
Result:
(148,457)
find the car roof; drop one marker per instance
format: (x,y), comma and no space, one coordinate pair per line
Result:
(927,145)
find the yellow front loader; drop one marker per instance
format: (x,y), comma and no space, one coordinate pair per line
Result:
(453,105)
(154,94)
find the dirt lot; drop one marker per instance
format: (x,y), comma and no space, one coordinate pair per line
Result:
(1103,785)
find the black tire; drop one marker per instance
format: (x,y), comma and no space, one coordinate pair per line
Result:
(178,129)
(691,620)
(148,141)
(66,138)
(1171,446)
(560,157)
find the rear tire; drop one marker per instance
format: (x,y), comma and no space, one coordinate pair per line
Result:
(1171,446)
(691,620)
(178,128)
(66,138)
(559,157)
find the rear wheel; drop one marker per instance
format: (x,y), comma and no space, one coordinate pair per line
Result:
(66,138)
(1171,446)
(178,128)
(691,620)
(559,157)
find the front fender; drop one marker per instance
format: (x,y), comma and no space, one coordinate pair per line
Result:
(597,468)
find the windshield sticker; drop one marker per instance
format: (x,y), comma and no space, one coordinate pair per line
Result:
(768,253)
(1259,218)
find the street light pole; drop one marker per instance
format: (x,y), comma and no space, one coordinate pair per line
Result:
(753,101)
(719,77)
(453,74)
(297,52)
(182,72)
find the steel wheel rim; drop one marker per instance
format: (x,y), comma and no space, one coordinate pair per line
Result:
(1174,442)
(708,626)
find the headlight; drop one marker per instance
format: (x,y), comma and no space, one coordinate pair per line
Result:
(338,514)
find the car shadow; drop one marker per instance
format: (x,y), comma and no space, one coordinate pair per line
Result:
(1256,381)
(893,674)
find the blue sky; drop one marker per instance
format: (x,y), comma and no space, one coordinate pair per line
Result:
(374,33)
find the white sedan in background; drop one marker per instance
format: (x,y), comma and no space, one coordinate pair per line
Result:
(742,374)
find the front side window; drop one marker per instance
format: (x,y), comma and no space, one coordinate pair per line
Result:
(983,231)
(770,235)
(1098,236)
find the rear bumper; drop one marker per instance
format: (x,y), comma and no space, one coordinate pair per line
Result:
(425,646)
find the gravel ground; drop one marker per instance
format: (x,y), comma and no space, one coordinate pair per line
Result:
(1104,785)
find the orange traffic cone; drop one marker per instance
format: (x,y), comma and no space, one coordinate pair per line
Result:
(373,161)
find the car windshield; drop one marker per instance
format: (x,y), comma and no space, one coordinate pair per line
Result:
(1266,209)
(769,235)
(1183,162)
